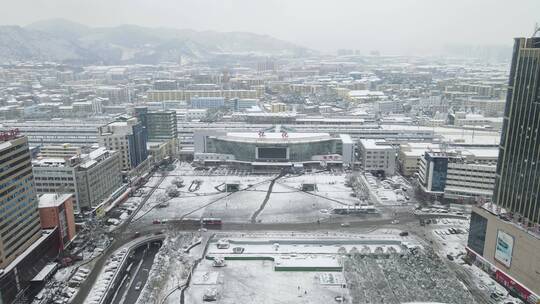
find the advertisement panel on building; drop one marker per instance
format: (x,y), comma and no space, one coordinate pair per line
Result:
(516,287)
(504,247)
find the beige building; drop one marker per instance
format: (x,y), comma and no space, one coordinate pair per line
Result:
(277,107)
(59,151)
(162,150)
(505,250)
(162,95)
(91,177)
(127,137)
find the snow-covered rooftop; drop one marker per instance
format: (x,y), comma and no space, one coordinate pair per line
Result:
(49,200)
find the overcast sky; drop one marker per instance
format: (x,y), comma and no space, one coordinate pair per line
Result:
(391,26)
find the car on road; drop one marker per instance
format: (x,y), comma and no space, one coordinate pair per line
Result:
(346,224)
(138,285)
(238,250)
(223,244)
(136,234)
(403,233)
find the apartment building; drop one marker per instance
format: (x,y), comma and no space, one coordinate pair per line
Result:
(92,177)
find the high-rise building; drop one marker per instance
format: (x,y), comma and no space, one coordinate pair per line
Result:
(160,125)
(518,182)
(162,128)
(127,136)
(504,236)
(19,216)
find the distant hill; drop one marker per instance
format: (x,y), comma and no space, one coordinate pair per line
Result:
(66,41)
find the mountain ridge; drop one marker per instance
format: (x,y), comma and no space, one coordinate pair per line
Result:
(62,40)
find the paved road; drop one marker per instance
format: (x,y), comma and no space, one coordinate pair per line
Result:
(138,275)
(336,224)
(120,238)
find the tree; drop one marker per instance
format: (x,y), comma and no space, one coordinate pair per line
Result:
(172,191)
(178,182)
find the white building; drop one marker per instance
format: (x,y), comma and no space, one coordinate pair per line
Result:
(377,155)
(366,96)
(190,114)
(458,175)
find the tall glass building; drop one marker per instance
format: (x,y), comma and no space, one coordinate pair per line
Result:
(517,186)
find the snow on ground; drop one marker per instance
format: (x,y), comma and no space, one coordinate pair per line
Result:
(63,274)
(490,286)
(451,236)
(257,282)
(170,268)
(239,206)
(328,185)
(209,202)
(289,205)
(293,247)
(286,203)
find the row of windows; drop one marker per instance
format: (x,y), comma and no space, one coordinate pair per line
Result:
(26,175)
(15,222)
(16,147)
(14,156)
(15,164)
(45,178)
(24,240)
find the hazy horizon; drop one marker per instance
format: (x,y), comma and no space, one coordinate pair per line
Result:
(404,27)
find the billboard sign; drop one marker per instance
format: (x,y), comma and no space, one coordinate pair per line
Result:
(504,247)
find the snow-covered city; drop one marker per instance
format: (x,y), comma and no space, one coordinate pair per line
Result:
(269,152)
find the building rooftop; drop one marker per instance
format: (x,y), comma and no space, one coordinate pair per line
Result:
(375,144)
(49,200)
(49,162)
(276,135)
